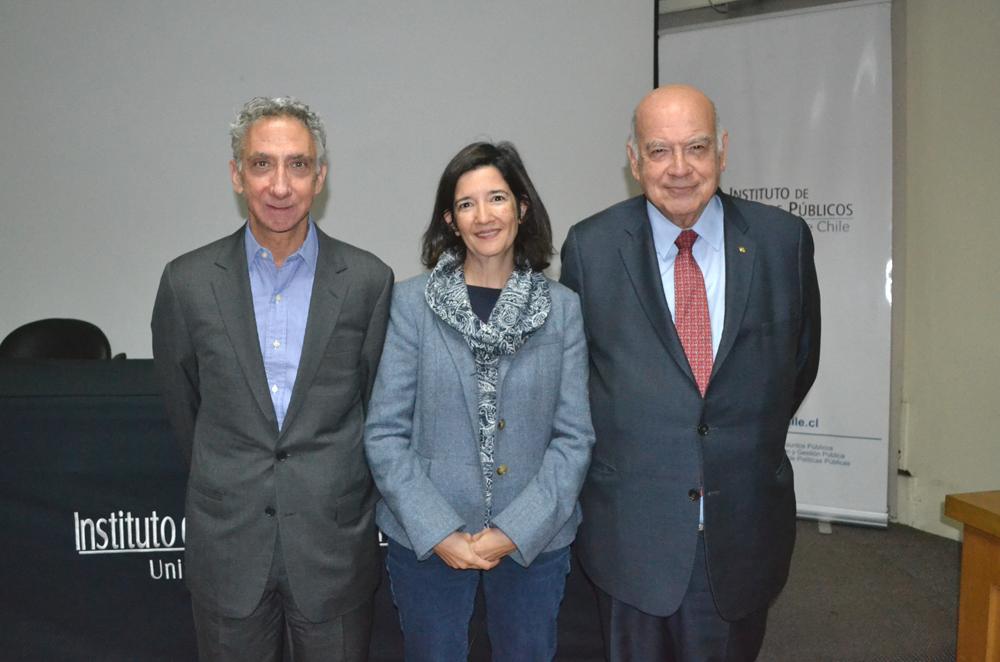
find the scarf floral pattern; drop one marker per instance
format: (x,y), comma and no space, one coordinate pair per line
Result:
(522,309)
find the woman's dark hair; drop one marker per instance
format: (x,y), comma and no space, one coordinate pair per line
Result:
(533,243)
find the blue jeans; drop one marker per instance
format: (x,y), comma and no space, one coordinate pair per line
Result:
(435,604)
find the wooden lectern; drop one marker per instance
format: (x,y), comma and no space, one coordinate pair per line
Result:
(979,600)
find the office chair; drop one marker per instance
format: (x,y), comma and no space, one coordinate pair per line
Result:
(56,338)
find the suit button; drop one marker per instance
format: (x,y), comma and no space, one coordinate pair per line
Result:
(281,456)
(694,494)
(703,429)
(502,469)
(501,424)
(269,511)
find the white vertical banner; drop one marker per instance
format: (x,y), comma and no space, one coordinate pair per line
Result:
(806,98)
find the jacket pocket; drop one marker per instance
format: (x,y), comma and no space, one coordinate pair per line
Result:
(207,492)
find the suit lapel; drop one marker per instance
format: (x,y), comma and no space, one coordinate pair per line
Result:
(741,255)
(330,286)
(639,256)
(231,287)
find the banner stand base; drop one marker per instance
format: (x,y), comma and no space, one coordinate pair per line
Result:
(843,516)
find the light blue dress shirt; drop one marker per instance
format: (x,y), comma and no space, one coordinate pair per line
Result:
(709,252)
(281,308)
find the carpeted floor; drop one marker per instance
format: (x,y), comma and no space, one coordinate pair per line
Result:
(854,595)
(867,595)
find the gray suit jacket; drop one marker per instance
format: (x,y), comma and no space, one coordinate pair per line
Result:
(658,440)
(422,430)
(247,481)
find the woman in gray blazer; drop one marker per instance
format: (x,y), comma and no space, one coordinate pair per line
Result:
(479,431)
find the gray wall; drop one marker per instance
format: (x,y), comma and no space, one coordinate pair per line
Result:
(114,117)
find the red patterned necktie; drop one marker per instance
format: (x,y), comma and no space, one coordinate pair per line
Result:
(691,311)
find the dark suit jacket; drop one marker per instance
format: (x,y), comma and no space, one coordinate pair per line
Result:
(658,440)
(247,481)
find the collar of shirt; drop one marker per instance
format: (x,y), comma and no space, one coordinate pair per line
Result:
(308,251)
(665,233)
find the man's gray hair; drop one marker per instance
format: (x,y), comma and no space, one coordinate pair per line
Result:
(260,107)
(633,132)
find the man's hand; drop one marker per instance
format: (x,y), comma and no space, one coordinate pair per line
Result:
(456,551)
(492,545)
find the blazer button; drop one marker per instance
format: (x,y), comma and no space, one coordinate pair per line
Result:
(501,424)
(703,429)
(502,469)
(281,456)
(694,494)
(269,511)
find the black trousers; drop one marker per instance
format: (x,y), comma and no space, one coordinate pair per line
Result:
(694,633)
(277,624)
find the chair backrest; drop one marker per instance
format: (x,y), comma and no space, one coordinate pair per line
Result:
(56,338)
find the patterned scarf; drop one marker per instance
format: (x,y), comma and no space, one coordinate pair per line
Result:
(522,308)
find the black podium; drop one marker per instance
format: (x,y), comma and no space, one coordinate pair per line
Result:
(92,494)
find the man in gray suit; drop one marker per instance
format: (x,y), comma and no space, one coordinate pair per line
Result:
(703,322)
(266,343)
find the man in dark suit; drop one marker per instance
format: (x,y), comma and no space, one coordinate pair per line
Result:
(266,343)
(703,323)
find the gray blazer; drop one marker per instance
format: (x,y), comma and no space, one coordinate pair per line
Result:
(658,439)
(422,430)
(247,480)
